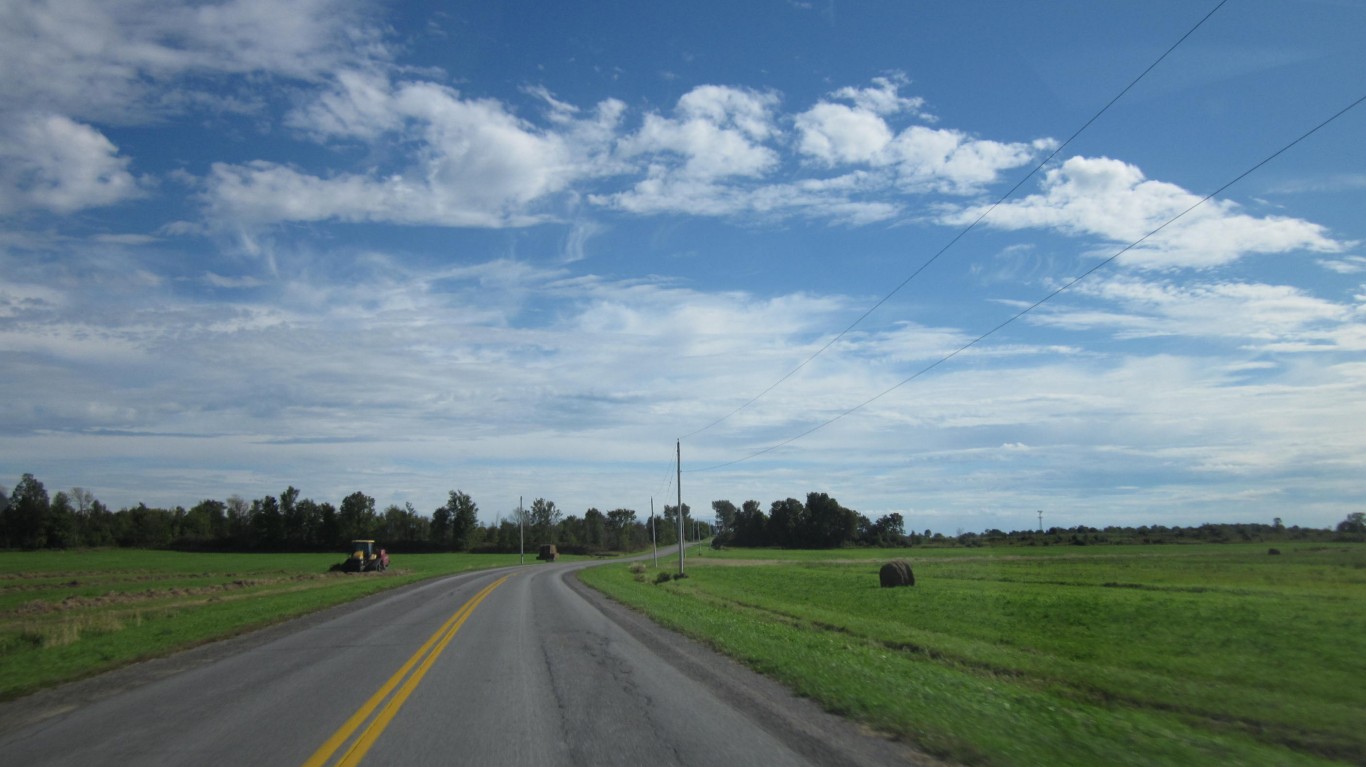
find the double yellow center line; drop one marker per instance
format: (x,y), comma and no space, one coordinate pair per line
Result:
(423,659)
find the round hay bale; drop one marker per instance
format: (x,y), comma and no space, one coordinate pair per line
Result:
(896,573)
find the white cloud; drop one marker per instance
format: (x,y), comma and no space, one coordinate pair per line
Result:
(716,132)
(470,161)
(1268,317)
(1113,200)
(56,164)
(113,59)
(884,97)
(455,161)
(1344,265)
(922,159)
(837,133)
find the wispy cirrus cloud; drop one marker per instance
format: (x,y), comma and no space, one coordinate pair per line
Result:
(1254,315)
(132,61)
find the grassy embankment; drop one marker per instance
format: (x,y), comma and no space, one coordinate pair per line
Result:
(1208,654)
(67,615)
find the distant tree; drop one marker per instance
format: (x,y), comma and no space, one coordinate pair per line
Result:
(888,530)
(356,518)
(239,520)
(826,524)
(726,516)
(144,528)
(439,531)
(326,525)
(25,515)
(96,526)
(594,529)
(1354,524)
(619,523)
(267,524)
(464,519)
(571,531)
(293,520)
(785,523)
(198,524)
(751,526)
(509,535)
(400,524)
(59,526)
(542,520)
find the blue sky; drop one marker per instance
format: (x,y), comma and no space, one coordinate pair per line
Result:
(519,248)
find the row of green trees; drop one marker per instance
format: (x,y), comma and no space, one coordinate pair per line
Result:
(30,519)
(820,523)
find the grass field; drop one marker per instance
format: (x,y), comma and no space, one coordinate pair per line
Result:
(1200,654)
(67,615)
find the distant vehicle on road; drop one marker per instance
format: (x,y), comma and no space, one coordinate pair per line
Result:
(548,552)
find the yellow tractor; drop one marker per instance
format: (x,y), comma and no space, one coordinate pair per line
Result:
(365,557)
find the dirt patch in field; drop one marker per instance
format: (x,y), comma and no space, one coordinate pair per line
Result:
(125,598)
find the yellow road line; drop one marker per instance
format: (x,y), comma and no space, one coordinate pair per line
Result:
(426,655)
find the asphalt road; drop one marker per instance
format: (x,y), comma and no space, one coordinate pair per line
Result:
(518,666)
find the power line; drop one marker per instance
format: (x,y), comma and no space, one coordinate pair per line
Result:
(969,227)
(1047,297)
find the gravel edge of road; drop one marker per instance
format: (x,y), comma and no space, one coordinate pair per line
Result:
(800,723)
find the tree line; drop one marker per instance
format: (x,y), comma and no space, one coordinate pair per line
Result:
(30,519)
(820,523)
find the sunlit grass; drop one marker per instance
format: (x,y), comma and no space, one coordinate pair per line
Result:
(1124,655)
(66,615)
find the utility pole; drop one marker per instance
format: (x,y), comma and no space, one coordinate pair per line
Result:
(654,543)
(521,528)
(678,447)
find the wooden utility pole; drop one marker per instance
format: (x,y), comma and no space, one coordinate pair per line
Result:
(678,446)
(654,543)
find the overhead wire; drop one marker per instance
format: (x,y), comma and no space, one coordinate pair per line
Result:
(1065,286)
(987,212)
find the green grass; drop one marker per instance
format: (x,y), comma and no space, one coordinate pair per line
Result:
(67,615)
(1060,655)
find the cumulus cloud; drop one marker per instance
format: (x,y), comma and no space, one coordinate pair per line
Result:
(1111,199)
(53,163)
(724,152)
(833,133)
(472,162)
(448,159)
(691,159)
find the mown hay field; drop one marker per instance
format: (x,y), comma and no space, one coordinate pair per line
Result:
(1199,654)
(69,614)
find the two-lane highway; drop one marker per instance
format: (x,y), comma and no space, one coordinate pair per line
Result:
(517,666)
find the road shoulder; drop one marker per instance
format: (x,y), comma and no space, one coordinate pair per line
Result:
(822,737)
